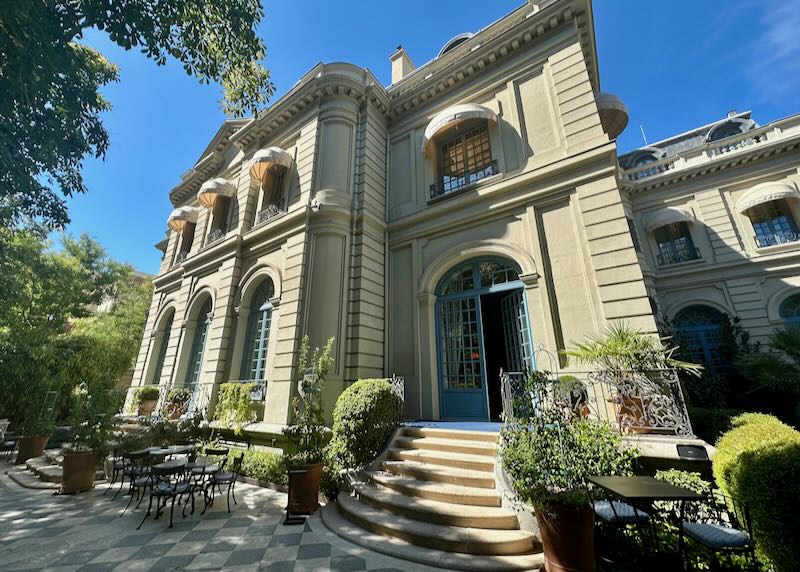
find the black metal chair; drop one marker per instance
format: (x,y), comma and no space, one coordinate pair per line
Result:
(721,525)
(169,481)
(118,464)
(139,476)
(223,477)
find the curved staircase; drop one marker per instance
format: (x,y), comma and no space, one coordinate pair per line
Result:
(432,498)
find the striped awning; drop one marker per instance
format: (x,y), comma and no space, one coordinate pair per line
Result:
(211,189)
(765,193)
(454,115)
(180,216)
(668,215)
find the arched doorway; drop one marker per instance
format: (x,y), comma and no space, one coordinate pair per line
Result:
(699,330)
(481,326)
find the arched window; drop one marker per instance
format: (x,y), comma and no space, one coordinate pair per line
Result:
(730,128)
(254,357)
(198,345)
(699,331)
(790,311)
(162,349)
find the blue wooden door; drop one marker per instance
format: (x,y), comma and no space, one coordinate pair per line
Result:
(463,388)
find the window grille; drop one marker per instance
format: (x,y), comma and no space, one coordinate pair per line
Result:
(674,244)
(254,356)
(773,223)
(464,159)
(790,311)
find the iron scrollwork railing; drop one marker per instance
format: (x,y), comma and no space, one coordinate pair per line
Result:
(398,386)
(214,236)
(631,401)
(270,211)
(460,182)
(776,238)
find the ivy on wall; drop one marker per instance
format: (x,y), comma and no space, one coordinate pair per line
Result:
(234,406)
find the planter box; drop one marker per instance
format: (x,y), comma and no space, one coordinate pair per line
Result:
(78,472)
(30,447)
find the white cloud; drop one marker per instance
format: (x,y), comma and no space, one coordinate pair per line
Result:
(772,57)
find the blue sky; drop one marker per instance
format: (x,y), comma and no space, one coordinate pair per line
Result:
(676,65)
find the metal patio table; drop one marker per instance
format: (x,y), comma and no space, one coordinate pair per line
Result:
(644,489)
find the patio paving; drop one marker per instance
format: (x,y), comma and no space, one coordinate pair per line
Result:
(40,531)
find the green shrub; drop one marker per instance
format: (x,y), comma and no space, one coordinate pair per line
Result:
(262,465)
(549,456)
(709,423)
(758,462)
(364,418)
(234,406)
(147,393)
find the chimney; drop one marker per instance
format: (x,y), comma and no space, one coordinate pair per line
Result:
(401,65)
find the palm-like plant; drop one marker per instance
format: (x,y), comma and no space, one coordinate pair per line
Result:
(618,347)
(777,370)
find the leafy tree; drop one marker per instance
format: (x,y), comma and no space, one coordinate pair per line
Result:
(50,101)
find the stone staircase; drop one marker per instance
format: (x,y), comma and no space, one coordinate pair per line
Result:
(42,472)
(432,498)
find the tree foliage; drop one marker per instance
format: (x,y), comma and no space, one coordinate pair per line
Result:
(50,100)
(38,352)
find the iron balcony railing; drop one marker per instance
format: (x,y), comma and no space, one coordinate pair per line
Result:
(215,235)
(460,182)
(179,258)
(269,212)
(666,257)
(776,238)
(649,401)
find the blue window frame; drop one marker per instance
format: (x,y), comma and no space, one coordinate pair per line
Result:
(773,223)
(674,244)
(162,350)
(790,311)
(254,356)
(198,346)
(699,330)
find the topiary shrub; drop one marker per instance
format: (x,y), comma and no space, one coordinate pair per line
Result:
(364,417)
(261,465)
(147,393)
(758,462)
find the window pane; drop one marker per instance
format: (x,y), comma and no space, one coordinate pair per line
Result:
(464,159)
(674,244)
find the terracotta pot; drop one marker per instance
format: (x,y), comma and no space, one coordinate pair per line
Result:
(147,406)
(567,538)
(30,447)
(633,408)
(304,488)
(79,472)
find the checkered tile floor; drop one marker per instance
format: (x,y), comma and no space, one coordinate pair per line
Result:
(39,531)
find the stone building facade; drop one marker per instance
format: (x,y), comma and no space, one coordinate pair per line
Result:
(447,225)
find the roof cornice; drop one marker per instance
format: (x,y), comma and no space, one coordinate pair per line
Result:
(491,45)
(322,81)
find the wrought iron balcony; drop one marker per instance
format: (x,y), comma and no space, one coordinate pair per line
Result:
(179,258)
(270,211)
(460,182)
(649,401)
(666,257)
(215,235)
(776,238)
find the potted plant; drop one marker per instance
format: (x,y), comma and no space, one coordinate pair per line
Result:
(634,363)
(549,454)
(92,422)
(147,397)
(177,402)
(308,435)
(36,433)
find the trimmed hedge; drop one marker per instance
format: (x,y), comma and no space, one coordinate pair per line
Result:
(262,465)
(147,393)
(365,415)
(711,423)
(758,462)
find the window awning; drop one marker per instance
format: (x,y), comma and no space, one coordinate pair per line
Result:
(180,216)
(764,193)
(454,115)
(668,215)
(213,188)
(263,159)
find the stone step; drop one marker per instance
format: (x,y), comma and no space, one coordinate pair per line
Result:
(429,543)
(449,445)
(440,474)
(27,479)
(446,458)
(482,436)
(47,472)
(436,512)
(444,492)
